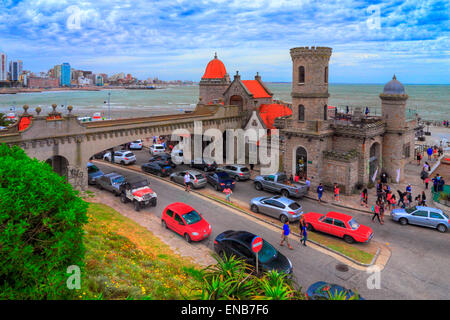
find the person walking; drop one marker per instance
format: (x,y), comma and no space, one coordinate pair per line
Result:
(304,233)
(393,202)
(388,200)
(364,197)
(376,212)
(427,181)
(320,191)
(308,183)
(228,193)
(429,153)
(381,212)
(336,192)
(419,158)
(285,235)
(301,224)
(187,181)
(424,199)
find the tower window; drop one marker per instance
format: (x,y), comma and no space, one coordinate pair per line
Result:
(326,74)
(325,112)
(301,74)
(301,113)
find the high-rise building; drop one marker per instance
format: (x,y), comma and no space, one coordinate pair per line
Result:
(3,67)
(15,69)
(65,75)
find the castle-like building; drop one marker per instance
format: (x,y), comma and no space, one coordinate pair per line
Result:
(328,148)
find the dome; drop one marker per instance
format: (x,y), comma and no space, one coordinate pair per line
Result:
(215,69)
(394,87)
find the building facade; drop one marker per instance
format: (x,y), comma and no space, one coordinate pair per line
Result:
(15,69)
(66,75)
(3,67)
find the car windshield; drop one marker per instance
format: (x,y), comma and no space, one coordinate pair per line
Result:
(129,154)
(192,217)
(118,180)
(139,184)
(411,210)
(92,169)
(353,224)
(159,147)
(294,206)
(267,252)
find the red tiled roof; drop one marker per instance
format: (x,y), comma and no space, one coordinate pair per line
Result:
(215,70)
(269,112)
(256,89)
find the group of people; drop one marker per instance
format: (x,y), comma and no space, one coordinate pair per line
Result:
(303,232)
(445,123)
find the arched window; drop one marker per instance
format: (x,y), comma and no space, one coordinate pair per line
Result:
(326,74)
(301,113)
(325,112)
(301,74)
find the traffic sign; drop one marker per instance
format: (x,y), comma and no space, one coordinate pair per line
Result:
(257,244)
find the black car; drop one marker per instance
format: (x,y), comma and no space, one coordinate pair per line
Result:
(99,155)
(220,180)
(157,168)
(204,164)
(164,159)
(238,243)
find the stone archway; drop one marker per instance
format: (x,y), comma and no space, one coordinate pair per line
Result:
(236,100)
(59,164)
(300,163)
(374,160)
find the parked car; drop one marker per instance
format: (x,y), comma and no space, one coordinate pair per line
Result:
(204,164)
(99,155)
(177,156)
(238,243)
(185,221)
(93,173)
(277,207)
(138,192)
(198,180)
(135,145)
(236,171)
(422,216)
(322,291)
(121,156)
(157,168)
(220,180)
(279,183)
(164,159)
(157,149)
(338,224)
(111,182)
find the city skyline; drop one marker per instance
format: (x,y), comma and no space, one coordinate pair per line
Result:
(176,39)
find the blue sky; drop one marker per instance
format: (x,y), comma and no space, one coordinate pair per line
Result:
(371,40)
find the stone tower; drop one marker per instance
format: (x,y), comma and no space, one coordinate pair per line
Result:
(214,82)
(310,87)
(398,140)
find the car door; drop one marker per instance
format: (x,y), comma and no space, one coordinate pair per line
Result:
(338,229)
(178,224)
(325,225)
(241,251)
(117,157)
(169,218)
(419,217)
(107,184)
(179,177)
(435,219)
(269,183)
(212,179)
(267,207)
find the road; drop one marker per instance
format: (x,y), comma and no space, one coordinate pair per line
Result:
(416,269)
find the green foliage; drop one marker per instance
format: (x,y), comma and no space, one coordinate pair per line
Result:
(233,279)
(41,228)
(3,121)
(342,295)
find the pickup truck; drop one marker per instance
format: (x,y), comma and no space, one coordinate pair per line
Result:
(139,193)
(280,184)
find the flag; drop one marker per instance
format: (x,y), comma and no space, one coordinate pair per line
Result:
(375,175)
(398,175)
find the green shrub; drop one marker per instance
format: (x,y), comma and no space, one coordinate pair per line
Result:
(41,228)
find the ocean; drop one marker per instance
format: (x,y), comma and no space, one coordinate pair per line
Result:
(431,102)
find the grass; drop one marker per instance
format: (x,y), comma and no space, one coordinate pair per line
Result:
(126,261)
(353,251)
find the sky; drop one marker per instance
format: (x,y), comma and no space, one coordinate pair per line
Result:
(371,40)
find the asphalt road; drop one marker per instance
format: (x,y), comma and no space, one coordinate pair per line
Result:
(417,268)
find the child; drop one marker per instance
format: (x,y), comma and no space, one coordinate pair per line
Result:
(228,193)
(336,192)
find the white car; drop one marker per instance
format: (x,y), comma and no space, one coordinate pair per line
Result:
(121,156)
(136,145)
(157,149)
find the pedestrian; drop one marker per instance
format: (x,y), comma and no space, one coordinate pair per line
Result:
(429,153)
(308,183)
(364,197)
(228,193)
(419,158)
(393,202)
(381,212)
(291,179)
(320,192)
(296,178)
(424,199)
(285,235)
(252,166)
(388,199)
(427,181)
(336,192)
(408,188)
(418,199)
(187,181)
(376,213)
(154,139)
(426,166)
(379,189)
(304,232)
(301,223)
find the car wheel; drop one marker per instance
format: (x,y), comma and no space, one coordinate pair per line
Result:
(123,198)
(187,237)
(254,208)
(403,221)
(283,218)
(309,227)
(122,163)
(348,239)
(285,193)
(164,224)
(137,206)
(154,202)
(441,228)
(236,178)
(258,186)
(217,187)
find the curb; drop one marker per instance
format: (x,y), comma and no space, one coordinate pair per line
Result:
(255,217)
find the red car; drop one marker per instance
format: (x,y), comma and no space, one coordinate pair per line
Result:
(185,221)
(338,224)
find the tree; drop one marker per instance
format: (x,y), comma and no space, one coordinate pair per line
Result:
(41,228)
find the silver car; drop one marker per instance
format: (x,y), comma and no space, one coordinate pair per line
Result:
(236,171)
(277,207)
(422,216)
(111,182)
(198,180)
(121,156)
